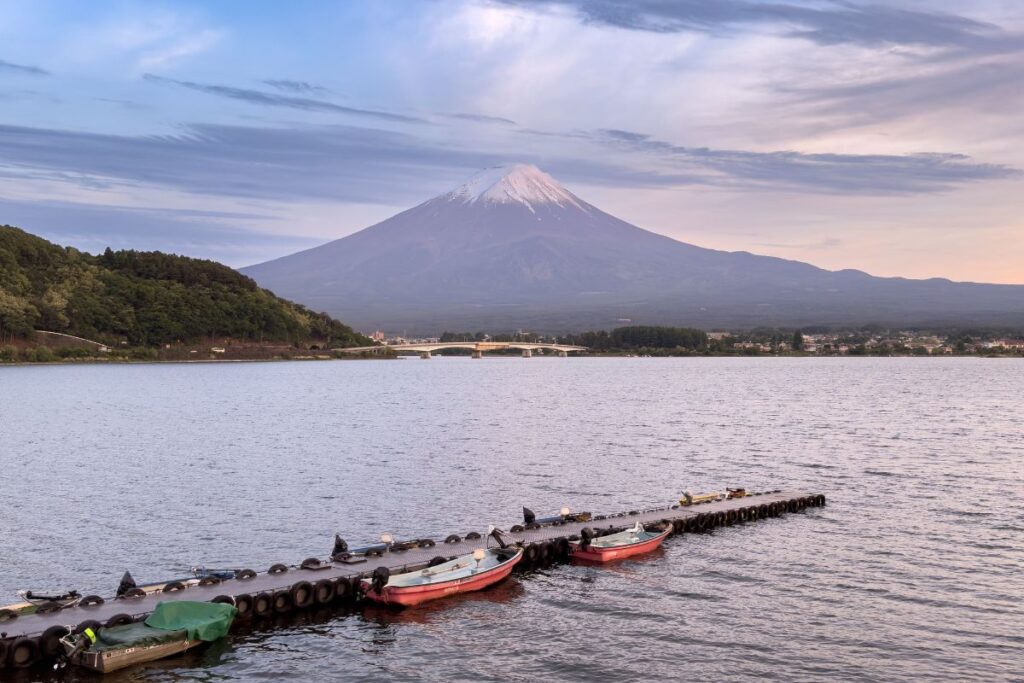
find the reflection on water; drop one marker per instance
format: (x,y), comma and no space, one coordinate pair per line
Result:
(911,571)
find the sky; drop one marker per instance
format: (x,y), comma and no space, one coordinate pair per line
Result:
(885,136)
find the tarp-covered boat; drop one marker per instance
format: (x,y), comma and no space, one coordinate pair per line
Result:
(472,572)
(634,541)
(172,628)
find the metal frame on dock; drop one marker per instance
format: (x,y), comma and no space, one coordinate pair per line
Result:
(30,638)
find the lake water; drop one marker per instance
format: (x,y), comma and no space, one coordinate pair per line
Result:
(914,569)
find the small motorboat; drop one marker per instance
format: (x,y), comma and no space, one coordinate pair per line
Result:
(480,569)
(174,627)
(634,541)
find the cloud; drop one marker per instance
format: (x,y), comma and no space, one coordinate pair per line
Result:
(332,162)
(23,68)
(178,49)
(825,23)
(483,118)
(876,174)
(209,234)
(978,86)
(274,100)
(286,85)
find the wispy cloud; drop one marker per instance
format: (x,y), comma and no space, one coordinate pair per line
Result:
(268,99)
(876,174)
(302,87)
(824,22)
(483,118)
(23,68)
(173,51)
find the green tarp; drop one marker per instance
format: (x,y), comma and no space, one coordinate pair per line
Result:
(133,635)
(170,621)
(201,620)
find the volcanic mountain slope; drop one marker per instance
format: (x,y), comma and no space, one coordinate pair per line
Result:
(512,248)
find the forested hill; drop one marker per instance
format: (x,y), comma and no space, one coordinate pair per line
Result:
(144,298)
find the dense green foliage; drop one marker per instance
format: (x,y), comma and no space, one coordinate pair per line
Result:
(144,298)
(640,337)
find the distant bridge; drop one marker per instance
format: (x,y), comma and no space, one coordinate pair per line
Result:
(477,348)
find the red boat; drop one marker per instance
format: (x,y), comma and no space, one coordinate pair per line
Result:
(635,541)
(464,574)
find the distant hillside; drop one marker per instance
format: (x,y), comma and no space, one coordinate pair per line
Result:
(513,249)
(144,298)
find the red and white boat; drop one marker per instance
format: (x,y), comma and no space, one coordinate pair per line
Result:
(635,541)
(480,569)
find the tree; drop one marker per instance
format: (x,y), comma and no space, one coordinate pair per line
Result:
(798,341)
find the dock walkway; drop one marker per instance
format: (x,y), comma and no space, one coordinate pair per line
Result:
(30,638)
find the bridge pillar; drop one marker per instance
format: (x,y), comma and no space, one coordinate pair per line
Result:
(527,353)
(563,354)
(425,355)
(477,353)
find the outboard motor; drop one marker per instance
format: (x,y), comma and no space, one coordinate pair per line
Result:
(127,583)
(379,579)
(340,546)
(586,536)
(528,516)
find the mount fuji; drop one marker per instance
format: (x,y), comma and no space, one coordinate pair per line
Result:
(512,248)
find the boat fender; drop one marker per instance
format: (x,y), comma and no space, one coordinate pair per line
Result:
(283,601)
(453,538)
(679,526)
(547,552)
(91,601)
(379,579)
(302,594)
(134,593)
(532,525)
(243,603)
(24,653)
(263,604)
(173,587)
(473,536)
(342,589)
(209,581)
(310,563)
(277,569)
(7,615)
(436,560)
(49,607)
(516,528)
(821,500)
(562,546)
(323,591)
(245,574)
(340,546)
(762,511)
(5,647)
(586,536)
(427,543)
(531,553)
(224,600)
(119,620)
(49,642)
(88,624)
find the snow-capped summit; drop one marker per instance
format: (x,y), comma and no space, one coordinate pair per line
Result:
(522,183)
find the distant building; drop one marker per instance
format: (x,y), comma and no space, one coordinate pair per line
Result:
(377,336)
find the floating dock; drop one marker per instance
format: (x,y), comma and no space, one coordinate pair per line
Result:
(33,638)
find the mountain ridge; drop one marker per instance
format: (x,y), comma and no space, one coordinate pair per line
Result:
(513,248)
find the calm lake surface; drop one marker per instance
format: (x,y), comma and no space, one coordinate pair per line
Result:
(914,569)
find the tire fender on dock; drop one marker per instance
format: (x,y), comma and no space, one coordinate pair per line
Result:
(244,605)
(263,604)
(24,653)
(323,591)
(301,594)
(49,642)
